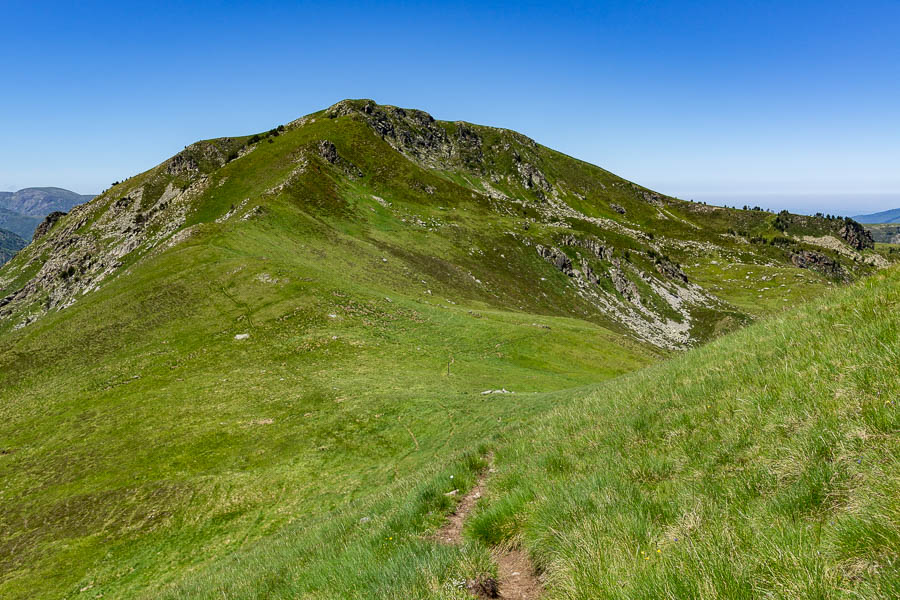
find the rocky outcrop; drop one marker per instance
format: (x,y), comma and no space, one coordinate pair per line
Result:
(594,246)
(815,261)
(415,133)
(586,274)
(206,156)
(328,151)
(456,145)
(624,286)
(48,222)
(856,235)
(671,270)
(557,258)
(532,178)
(618,208)
(182,162)
(652,198)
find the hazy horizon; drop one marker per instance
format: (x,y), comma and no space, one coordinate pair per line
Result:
(802,203)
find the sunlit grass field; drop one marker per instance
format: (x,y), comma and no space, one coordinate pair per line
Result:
(764,465)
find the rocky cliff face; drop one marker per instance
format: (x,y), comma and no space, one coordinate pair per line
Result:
(661,314)
(418,135)
(48,222)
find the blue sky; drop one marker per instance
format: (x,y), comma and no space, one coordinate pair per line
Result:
(795,103)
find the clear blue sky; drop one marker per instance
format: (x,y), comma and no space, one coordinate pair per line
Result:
(696,99)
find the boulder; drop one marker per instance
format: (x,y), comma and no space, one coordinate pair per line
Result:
(652,198)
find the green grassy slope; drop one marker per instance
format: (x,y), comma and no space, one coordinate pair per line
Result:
(463,207)
(764,465)
(385,269)
(154,439)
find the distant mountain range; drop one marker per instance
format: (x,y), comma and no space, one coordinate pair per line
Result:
(10,243)
(18,223)
(41,201)
(887,216)
(22,211)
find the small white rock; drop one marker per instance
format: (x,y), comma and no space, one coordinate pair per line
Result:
(242,336)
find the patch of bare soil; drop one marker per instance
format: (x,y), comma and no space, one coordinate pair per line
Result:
(451,532)
(516,578)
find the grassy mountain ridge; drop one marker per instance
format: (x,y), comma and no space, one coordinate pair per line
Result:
(628,252)
(386,269)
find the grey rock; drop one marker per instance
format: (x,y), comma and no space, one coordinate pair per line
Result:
(652,198)
(624,286)
(671,270)
(182,163)
(557,258)
(816,261)
(594,246)
(48,222)
(328,151)
(856,235)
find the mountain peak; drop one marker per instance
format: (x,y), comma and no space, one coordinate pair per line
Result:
(500,206)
